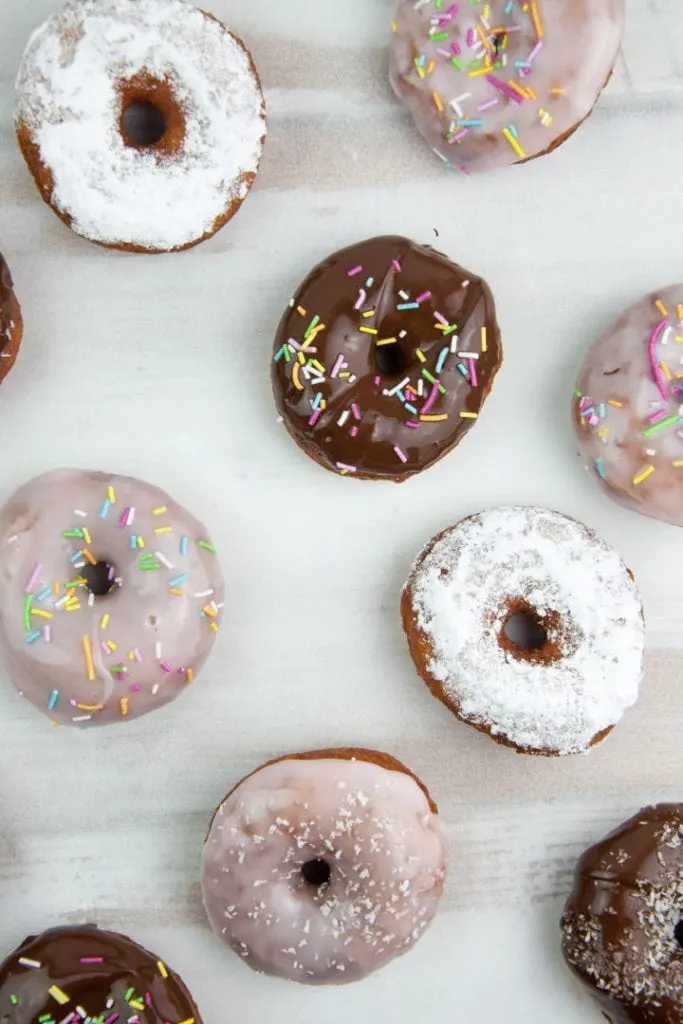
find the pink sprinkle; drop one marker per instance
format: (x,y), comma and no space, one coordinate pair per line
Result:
(137,655)
(343,466)
(148,999)
(47,634)
(165,666)
(412,424)
(337,366)
(356,411)
(362,296)
(465,284)
(105,648)
(315,417)
(123,521)
(112,1020)
(430,401)
(657,416)
(396,265)
(473,372)
(423,297)
(456,48)
(378,382)
(353,431)
(401,454)
(92,960)
(294,344)
(652,347)
(33,578)
(458,136)
(470,37)
(355,270)
(442,319)
(504,88)
(136,688)
(535,52)
(488,104)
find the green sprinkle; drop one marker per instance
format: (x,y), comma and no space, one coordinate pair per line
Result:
(430,378)
(14,1000)
(27,613)
(662,425)
(311,327)
(205,546)
(128,995)
(73,533)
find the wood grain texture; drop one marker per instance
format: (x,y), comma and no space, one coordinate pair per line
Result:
(160,367)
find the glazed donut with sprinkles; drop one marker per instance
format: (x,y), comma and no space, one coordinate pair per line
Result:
(384,359)
(494,82)
(111,596)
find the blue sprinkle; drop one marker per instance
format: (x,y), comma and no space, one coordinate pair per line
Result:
(399,394)
(411,408)
(279,354)
(177,580)
(52,703)
(513,131)
(133,540)
(470,124)
(104,510)
(600,466)
(32,637)
(408,305)
(602,410)
(443,356)
(369,283)
(76,555)
(317,400)
(43,594)
(184,544)
(463,369)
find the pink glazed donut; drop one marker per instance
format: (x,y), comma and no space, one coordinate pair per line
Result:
(110,596)
(323,867)
(628,407)
(502,81)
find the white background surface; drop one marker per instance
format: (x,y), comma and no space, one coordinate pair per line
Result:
(159,367)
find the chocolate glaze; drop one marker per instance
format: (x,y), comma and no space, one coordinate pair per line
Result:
(10,320)
(374,423)
(63,983)
(623,923)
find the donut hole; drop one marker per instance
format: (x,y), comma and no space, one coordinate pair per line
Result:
(678,933)
(525,631)
(143,124)
(100,578)
(316,872)
(390,360)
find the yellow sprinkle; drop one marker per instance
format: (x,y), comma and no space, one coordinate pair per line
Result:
(59,995)
(111,494)
(189,675)
(420,355)
(123,706)
(468,415)
(678,463)
(90,558)
(613,402)
(603,433)
(438,102)
(661,307)
(343,376)
(161,511)
(394,26)
(484,344)
(73,606)
(141,542)
(556,91)
(434,419)
(162,968)
(208,610)
(679,310)
(163,529)
(86,535)
(386,341)
(111,645)
(323,404)
(302,358)
(41,614)
(312,336)
(643,475)
(520,92)
(295,378)
(431,66)
(480,71)
(420,71)
(301,311)
(532,95)
(104,621)
(56,587)
(667,371)
(189,1020)
(90,707)
(177,592)
(87,650)
(214,627)
(678,337)
(536,19)
(368,313)
(131,655)
(368,330)
(513,142)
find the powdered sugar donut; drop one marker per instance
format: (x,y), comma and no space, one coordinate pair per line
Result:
(501,82)
(527,626)
(110,596)
(142,121)
(322,867)
(628,411)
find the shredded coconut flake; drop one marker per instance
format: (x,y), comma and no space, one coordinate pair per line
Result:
(68,98)
(461,591)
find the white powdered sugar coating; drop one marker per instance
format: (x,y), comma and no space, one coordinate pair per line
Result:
(68,97)
(462,591)
(380,840)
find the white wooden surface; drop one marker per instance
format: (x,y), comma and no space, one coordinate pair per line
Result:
(160,367)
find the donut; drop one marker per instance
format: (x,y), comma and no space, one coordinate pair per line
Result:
(627,407)
(142,123)
(85,974)
(623,922)
(384,358)
(496,83)
(11,326)
(322,867)
(527,626)
(111,596)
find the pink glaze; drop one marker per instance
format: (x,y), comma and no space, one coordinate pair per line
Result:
(547,61)
(628,407)
(91,660)
(377,834)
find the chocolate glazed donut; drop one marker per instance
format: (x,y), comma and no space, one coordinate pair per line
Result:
(623,923)
(384,358)
(10,321)
(82,973)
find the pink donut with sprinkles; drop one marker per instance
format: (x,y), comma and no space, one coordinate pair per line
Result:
(627,407)
(502,81)
(110,599)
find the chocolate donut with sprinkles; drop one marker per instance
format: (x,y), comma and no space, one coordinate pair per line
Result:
(84,974)
(623,923)
(494,82)
(627,407)
(111,596)
(11,325)
(384,359)
(322,867)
